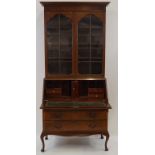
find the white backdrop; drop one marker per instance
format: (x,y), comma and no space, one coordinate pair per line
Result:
(111,63)
(136,81)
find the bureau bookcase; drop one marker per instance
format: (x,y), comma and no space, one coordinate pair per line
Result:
(75,100)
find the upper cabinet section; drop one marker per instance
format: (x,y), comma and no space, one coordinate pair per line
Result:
(59,45)
(90,45)
(74,40)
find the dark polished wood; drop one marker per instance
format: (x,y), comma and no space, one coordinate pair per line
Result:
(75,99)
(75,115)
(42,140)
(106,142)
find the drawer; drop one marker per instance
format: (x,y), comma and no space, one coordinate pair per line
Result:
(75,115)
(96,95)
(96,92)
(54,91)
(53,126)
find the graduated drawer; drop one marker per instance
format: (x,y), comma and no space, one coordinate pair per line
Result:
(75,115)
(53,126)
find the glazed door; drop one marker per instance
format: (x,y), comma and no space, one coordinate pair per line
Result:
(91,46)
(58,41)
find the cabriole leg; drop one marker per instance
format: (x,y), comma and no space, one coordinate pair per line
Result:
(106,141)
(102,136)
(46,137)
(42,140)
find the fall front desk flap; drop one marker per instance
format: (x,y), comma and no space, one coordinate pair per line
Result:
(75,104)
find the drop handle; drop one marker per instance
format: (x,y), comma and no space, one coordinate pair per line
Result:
(92,125)
(58,115)
(58,126)
(92,114)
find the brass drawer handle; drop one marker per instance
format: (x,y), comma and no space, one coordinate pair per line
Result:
(92,125)
(58,126)
(58,115)
(92,114)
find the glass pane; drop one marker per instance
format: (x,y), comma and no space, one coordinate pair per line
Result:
(84,67)
(65,67)
(84,53)
(96,67)
(59,40)
(66,52)
(96,52)
(53,52)
(90,45)
(53,67)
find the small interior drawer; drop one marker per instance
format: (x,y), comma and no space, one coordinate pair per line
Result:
(54,91)
(96,92)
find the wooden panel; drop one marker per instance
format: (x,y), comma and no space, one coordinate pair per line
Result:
(50,126)
(75,115)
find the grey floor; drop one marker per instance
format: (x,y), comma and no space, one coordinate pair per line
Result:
(89,145)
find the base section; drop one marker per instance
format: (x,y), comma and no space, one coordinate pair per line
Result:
(43,134)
